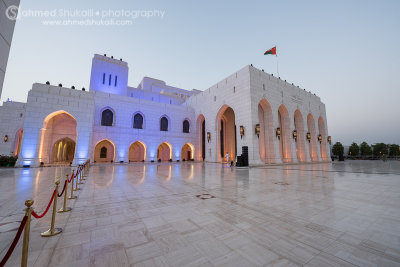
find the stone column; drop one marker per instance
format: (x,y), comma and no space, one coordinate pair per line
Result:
(82,147)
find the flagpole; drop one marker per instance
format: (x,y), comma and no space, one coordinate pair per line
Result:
(277,66)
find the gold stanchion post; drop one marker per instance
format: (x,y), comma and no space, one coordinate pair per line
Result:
(65,208)
(77,178)
(85,170)
(53,231)
(80,175)
(27,228)
(72,187)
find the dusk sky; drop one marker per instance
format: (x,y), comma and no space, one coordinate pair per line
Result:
(346,52)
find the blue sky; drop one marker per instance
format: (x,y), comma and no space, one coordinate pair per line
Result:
(347,52)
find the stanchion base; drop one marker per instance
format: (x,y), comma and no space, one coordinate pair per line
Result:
(74,197)
(49,232)
(62,210)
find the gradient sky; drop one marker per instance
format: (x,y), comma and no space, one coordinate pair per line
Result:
(347,52)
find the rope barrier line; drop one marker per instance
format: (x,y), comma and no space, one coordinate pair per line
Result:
(15,241)
(72,175)
(62,192)
(29,211)
(34,214)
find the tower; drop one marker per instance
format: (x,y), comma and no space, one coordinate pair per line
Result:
(109,75)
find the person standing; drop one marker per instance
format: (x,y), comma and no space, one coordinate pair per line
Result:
(227,157)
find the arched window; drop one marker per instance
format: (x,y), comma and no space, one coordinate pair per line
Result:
(107,117)
(164,124)
(103,152)
(186,126)
(138,121)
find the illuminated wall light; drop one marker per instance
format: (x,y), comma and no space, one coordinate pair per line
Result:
(278,132)
(208,137)
(320,138)
(330,140)
(308,136)
(294,135)
(257,130)
(241,131)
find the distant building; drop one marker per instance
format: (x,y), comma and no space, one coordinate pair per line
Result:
(114,122)
(6,34)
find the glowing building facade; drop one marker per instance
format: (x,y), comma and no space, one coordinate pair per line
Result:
(113,122)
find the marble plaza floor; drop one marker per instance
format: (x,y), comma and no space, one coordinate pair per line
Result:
(340,214)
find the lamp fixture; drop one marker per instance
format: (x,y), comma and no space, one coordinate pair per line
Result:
(208,137)
(330,140)
(241,131)
(320,138)
(5,138)
(308,136)
(257,130)
(278,132)
(294,135)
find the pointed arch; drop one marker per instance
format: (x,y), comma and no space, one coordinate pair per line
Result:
(63,151)
(107,116)
(104,151)
(138,120)
(300,140)
(164,123)
(186,126)
(164,152)
(266,138)
(56,126)
(201,136)
(187,152)
(137,152)
(322,132)
(226,133)
(18,142)
(284,140)
(313,141)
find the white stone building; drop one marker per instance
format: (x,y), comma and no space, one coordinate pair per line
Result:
(113,122)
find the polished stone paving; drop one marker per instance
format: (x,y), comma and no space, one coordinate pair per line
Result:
(195,214)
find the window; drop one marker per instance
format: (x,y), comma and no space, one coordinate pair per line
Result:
(103,152)
(104,78)
(138,121)
(186,126)
(107,117)
(115,81)
(109,80)
(164,124)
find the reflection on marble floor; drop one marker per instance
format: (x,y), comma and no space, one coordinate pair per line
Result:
(340,214)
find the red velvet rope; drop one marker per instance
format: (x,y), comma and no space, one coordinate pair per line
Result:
(34,214)
(65,185)
(70,179)
(15,241)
